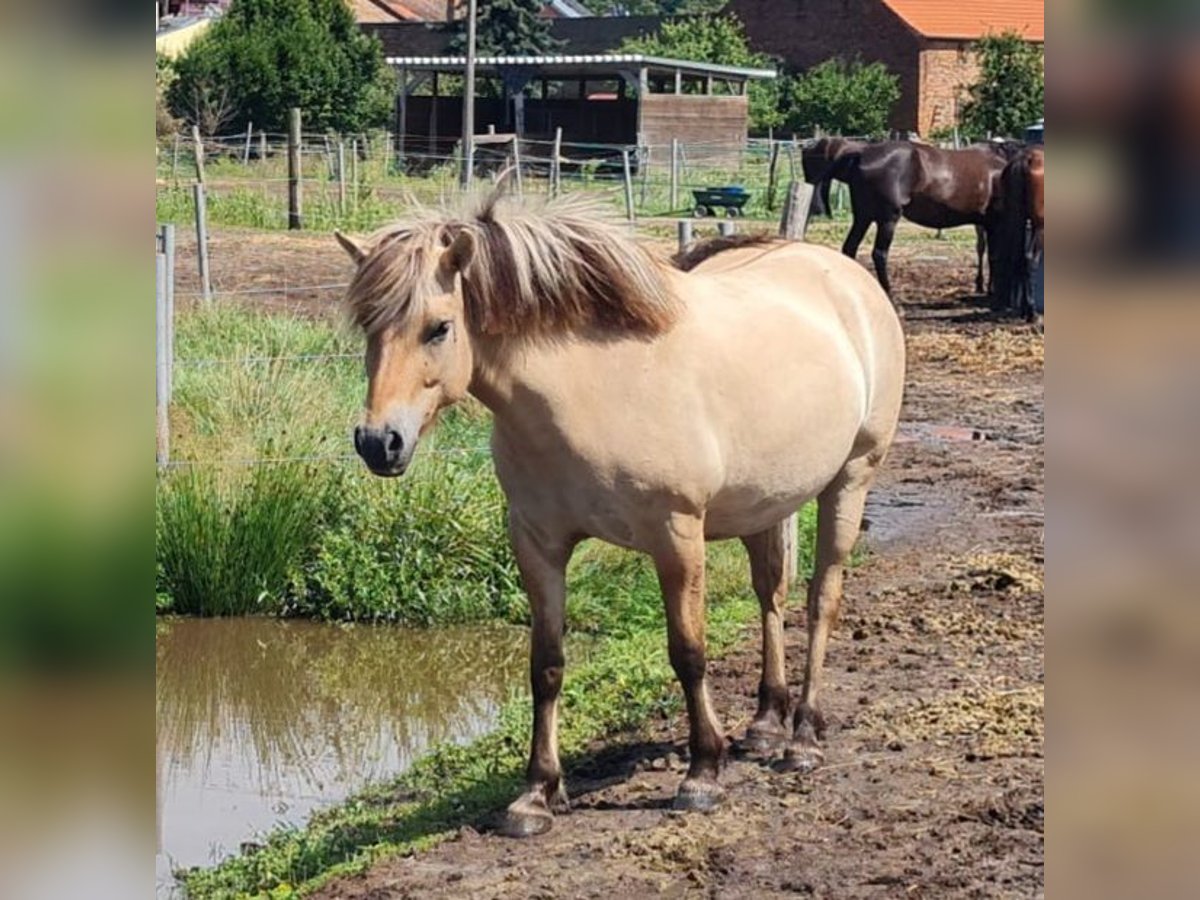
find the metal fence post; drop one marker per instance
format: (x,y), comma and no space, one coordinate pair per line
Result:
(556,164)
(202,240)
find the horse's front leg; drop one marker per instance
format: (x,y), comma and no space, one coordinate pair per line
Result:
(543,574)
(680,565)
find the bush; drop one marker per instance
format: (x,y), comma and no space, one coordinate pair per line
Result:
(266,56)
(1011,91)
(839,97)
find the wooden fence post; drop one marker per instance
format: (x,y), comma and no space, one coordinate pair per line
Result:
(772,171)
(198,151)
(249,138)
(685,233)
(628,173)
(162,350)
(793,225)
(354,174)
(556,164)
(726,227)
(262,146)
(168,245)
(198,194)
(175,160)
(341,177)
(295,188)
(516,155)
(674,174)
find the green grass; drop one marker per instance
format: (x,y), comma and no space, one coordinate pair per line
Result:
(625,682)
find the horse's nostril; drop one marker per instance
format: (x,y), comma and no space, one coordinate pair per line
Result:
(358,438)
(395,443)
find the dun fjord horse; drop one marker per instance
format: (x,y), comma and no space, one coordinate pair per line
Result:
(924,184)
(646,406)
(1021,203)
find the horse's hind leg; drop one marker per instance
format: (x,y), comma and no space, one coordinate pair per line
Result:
(854,238)
(680,564)
(543,574)
(981,243)
(839,516)
(768,571)
(885,230)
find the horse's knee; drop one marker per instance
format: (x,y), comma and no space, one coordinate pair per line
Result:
(689,660)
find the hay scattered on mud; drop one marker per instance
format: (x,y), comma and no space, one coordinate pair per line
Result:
(994,352)
(992,723)
(1004,572)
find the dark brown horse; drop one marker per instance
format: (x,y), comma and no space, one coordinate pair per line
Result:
(824,160)
(1019,231)
(922,183)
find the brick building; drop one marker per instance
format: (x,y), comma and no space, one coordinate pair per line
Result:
(927,43)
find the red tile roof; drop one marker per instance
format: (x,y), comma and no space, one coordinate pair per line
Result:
(967,19)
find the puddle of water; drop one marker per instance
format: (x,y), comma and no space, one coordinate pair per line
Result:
(260,722)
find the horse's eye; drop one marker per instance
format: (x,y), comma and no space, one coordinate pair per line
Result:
(438,332)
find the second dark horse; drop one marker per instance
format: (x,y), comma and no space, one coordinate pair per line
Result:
(927,185)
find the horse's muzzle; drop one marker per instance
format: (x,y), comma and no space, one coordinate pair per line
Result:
(383,449)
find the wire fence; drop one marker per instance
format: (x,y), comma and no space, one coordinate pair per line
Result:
(359,182)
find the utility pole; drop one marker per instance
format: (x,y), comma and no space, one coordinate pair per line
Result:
(468,118)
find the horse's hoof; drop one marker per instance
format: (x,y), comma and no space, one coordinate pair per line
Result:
(697,795)
(801,758)
(526,817)
(762,741)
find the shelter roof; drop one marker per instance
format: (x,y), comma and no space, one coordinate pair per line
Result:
(569,64)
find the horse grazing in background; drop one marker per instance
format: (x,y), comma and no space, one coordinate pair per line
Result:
(647,406)
(1019,233)
(924,184)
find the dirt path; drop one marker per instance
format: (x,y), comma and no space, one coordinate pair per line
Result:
(933,784)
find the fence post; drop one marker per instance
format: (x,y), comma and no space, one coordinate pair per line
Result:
(629,213)
(772,171)
(791,555)
(249,138)
(202,239)
(685,233)
(517,162)
(295,192)
(794,223)
(168,245)
(674,173)
(162,350)
(341,177)
(556,164)
(262,146)
(198,150)
(354,174)
(726,227)
(175,160)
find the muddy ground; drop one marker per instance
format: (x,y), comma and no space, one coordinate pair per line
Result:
(933,782)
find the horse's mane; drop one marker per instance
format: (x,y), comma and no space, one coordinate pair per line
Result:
(686,260)
(539,267)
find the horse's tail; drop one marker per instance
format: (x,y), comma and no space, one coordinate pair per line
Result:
(1012,270)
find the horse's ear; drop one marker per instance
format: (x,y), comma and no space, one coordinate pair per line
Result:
(352,248)
(458,255)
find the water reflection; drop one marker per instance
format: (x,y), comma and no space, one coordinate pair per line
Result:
(261,721)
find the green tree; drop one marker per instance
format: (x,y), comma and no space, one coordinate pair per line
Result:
(839,97)
(1011,91)
(508,28)
(264,56)
(720,40)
